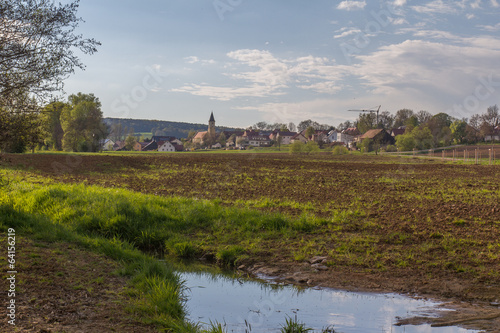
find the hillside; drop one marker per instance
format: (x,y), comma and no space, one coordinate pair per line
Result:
(159,127)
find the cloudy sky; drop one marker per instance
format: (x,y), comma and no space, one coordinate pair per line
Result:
(289,60)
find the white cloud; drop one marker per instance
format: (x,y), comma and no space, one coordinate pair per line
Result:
(476,4)
(494,3)
(436,7)
(399,3)
(490,28)
(269,76)
(344,32)
(399,21)
(195,60)
(429,68)
(192,59)
(352,5)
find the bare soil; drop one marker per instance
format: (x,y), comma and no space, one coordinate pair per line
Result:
(61,288)
(422,200)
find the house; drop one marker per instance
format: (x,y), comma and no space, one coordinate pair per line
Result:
(108,144)
(139,146)
(380,136)
(299,137)
(153,145)
(320,136)
(346,139)
(166,146)
(119,145)
(495,136)
(285,138)
(333,136)
(398,131)
(353,131)
(255,139)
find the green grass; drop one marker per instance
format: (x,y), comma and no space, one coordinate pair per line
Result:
(124,225)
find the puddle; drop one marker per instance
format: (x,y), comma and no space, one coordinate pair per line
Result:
(251,306)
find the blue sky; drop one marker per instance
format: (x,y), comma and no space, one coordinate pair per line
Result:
(286,61)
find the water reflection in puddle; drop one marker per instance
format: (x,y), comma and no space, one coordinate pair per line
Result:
(266,307)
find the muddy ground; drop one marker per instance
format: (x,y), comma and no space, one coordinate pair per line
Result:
(415,200)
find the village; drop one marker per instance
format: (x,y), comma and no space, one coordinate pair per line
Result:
(211,139)
(251,138)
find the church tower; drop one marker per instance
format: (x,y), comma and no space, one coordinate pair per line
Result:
(211,125)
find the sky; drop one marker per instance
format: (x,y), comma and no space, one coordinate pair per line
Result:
(289,60)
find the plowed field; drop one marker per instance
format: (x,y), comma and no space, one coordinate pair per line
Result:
(401,224)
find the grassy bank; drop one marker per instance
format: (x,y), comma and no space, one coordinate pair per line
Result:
(125,225)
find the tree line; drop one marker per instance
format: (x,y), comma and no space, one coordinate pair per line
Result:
(38,51)
(422,130)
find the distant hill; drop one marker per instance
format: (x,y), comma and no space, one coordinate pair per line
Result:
(160,127)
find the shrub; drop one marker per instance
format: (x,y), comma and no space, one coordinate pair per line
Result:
(391,149)
(297,147)
(340,150)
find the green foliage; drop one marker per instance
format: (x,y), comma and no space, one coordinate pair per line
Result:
(297,147)
(229,255)
(82,123)
(366,145)
(391,149)
(419,138)
(311,147)
(19,131)
(51,123)
(340,150)
(458,131)
(184,250)
(294,326)
(130,142)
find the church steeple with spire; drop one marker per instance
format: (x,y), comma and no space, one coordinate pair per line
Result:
(211,125)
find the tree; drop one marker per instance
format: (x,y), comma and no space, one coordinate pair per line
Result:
(82,123)
(366,122)
(208,140)
(261,125)
(37,48)
(405,142)
(303,125)
(130,142)
(191,134)
(386,120)
(459,131)
(423,116)
(19,131)
(51,123)
(439,126)
(297,147)
(423,137)
(222,139)
(311,147)
(402,117)
(310,131)
(489,121)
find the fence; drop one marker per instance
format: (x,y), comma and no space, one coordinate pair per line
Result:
(466,154)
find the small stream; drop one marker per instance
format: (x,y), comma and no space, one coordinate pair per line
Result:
(253,306)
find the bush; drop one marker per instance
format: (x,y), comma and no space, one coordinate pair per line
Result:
(311,147)
(297,147)
(391,149)
(340,150)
